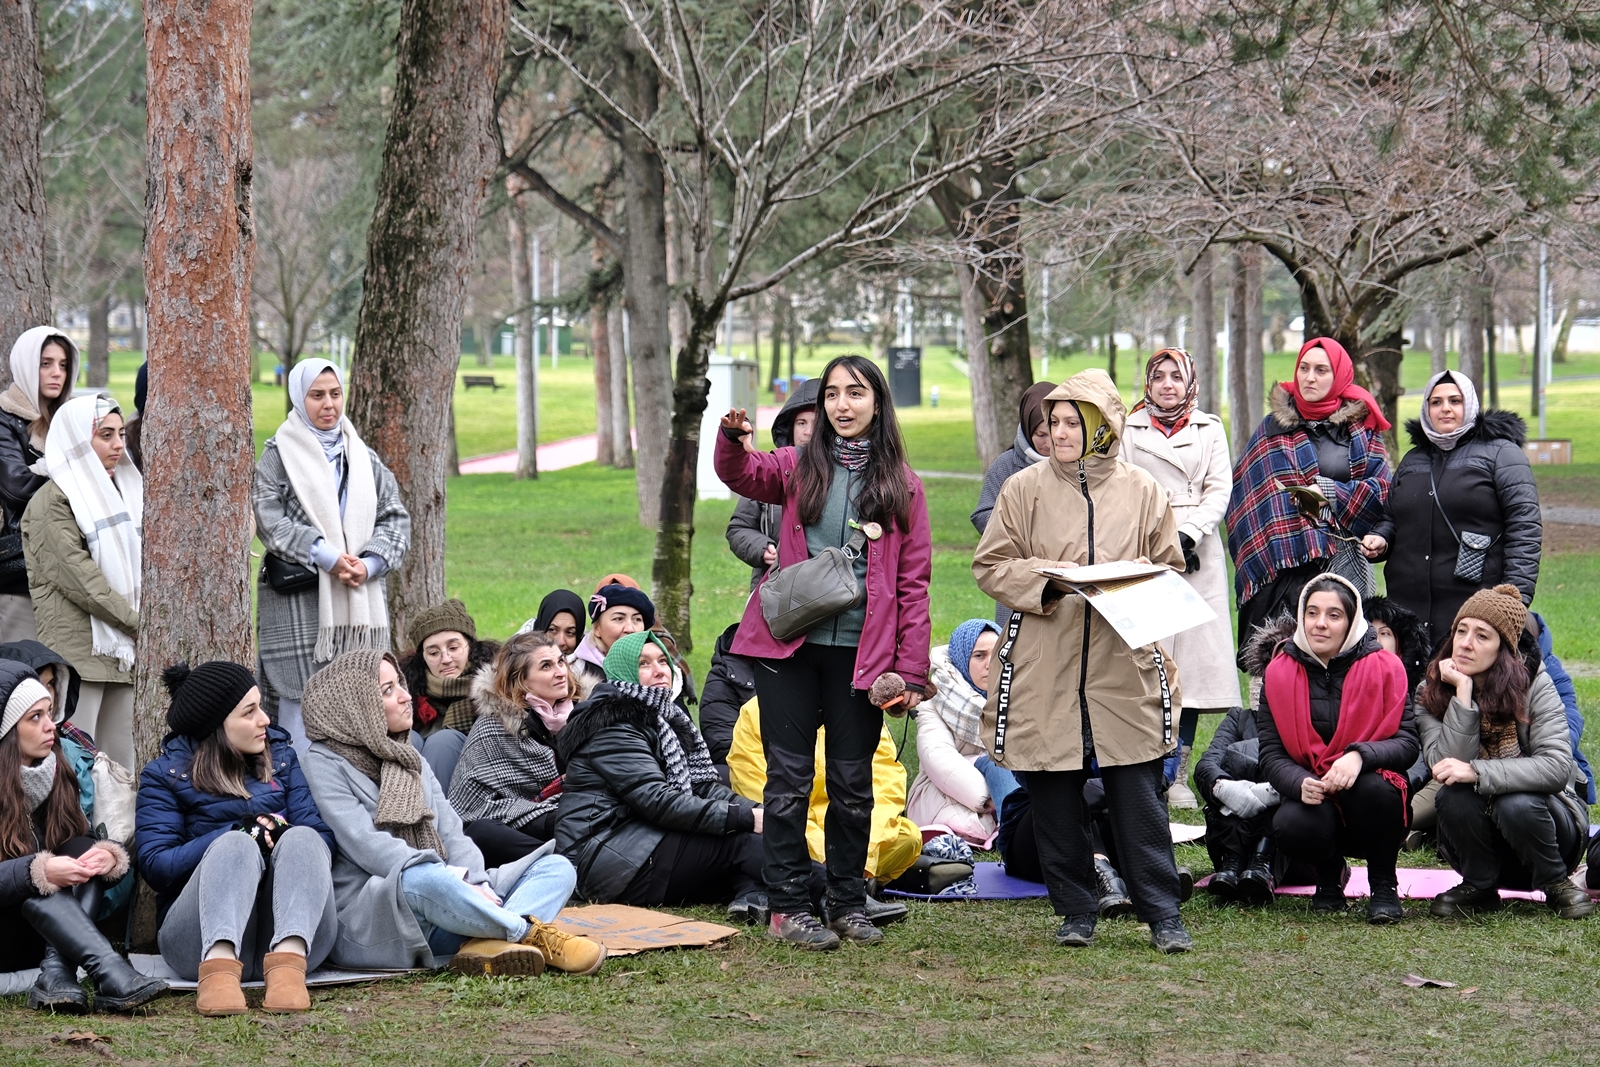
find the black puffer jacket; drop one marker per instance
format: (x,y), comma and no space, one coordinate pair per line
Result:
(17,485)
(755,525)
(1234,752)
(1397,753)
(1485,486)
(616,802)
(730,685)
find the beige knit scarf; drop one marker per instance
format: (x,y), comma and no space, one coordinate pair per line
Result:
(344,710)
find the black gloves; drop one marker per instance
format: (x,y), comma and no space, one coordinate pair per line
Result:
(264,836)
(1191,559)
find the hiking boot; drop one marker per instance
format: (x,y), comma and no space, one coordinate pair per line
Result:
(1464,900)
(884,912)
(1384,906)
(750,909)
(855,926)
(1114,899)
(1567,900)
(1076,931)
(491,956)
(1255,886)
(1179,795)
(1169,936)
(565,952)
(802,929)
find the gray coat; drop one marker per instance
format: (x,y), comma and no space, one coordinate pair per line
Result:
(1019,457)
(286,626)
(755,525)
(1546,764)
(377,929)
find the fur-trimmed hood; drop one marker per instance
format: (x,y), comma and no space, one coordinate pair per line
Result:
(607,707)
(485,701)
(1493,424)
(1264,642)
(1411,635)
(1288,418)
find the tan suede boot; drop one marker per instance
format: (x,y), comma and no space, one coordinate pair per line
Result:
(219,992)
(487,955)
(285,973)
(564,952)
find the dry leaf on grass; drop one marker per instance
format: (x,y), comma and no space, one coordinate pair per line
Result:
(1416,981)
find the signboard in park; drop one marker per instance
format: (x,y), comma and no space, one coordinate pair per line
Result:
(905,376)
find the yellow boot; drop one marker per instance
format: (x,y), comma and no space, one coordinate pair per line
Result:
(486,955)
(564,952)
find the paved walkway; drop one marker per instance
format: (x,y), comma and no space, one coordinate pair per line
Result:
(1574,516)
(559,455)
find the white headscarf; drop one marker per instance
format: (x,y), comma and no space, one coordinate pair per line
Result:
(300,378)
(109,513)
(1446,441)
(1358,618)
(22,397)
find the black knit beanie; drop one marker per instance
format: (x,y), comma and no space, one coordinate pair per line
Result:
(203,697)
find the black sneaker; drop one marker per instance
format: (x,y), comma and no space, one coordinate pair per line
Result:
(802,929)
(750,909)
(1384,907)
(1464,900)
(884,912)
(1077,931)
(1169,936)
(1328,899)
(1567,900)
(855,926)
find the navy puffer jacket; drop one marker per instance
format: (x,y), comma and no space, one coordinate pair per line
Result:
(177,822)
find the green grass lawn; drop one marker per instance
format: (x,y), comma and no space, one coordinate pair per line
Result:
(957,983)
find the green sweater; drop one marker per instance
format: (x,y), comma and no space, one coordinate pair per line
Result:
(833,530)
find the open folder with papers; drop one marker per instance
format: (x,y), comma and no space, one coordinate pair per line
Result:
(1143,602)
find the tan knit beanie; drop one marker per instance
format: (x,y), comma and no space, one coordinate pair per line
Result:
(451,615)
(1500,607)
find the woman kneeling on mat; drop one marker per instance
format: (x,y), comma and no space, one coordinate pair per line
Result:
(409,883)
(224,812)
(1337,736)
(644,816)
(1508,809)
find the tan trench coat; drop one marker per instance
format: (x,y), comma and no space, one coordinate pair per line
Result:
(1193,467)
(1041,519)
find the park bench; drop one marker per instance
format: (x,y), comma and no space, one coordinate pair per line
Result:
(469,380)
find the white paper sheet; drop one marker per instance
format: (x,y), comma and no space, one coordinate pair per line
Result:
(1145,610)
(1103,572)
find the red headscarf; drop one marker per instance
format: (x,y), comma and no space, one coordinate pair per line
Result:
(1344,387)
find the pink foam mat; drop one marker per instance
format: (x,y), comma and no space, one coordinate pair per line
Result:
(1415,884)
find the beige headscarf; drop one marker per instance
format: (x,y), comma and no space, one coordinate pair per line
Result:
(344,710)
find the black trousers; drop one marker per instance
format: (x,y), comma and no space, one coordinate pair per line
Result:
(698,869)
(1230,838)
(1515,840)
(1367,820)
(21,947)
(812,689)
(502,844)
(1136,810)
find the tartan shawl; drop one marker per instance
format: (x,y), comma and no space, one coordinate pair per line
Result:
(1266,532)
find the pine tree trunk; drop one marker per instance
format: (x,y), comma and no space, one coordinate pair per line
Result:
(527,377)
(199,455)
(986,427)
(439,155)
(24,286)
(98,363)
(621,436)
(1203,311)
(645,278)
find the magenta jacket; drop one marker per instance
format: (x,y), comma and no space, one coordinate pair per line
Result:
(899,564)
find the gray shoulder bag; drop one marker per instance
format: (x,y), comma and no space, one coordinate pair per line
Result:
(1472,549)
(797,597)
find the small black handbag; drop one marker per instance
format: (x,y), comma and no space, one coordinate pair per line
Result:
(285,576)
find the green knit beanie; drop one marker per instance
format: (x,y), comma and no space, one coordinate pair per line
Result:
(622,662)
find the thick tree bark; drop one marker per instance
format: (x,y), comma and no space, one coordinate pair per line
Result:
(198,443)
(522,297)
(621,434)
(1439,336)
(985,218)
(1239,418)
(1203,349)
(98,362)
(986,426)
(439,155)
(645,278)
(24,286)
(1471,363)
(600,349)
(1254,367)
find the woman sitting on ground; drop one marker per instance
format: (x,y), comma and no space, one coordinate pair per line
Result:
(410,884)
(561,615)
(1508,807)
(1239,805)
(643,815)
(506,786)
(616,610)
(958,784)
(223,811)
(1337,737)
(445,656)
(53,872)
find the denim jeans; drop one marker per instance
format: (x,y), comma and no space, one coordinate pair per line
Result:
(1001,782)
(442,749)
(450,911)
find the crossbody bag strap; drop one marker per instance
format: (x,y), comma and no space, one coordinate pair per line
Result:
(1439,503)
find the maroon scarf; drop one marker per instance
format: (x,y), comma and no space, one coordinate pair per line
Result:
(1370,707)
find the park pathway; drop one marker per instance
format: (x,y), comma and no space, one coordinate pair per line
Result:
(559,455)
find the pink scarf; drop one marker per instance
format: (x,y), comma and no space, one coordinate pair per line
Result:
(554,716)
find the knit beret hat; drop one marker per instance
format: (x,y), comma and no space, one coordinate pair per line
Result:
(612,596)
(451,615)
(27,692)
(1500,607)
(203,697)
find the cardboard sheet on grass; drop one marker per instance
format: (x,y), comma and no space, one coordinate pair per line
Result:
(626,931)
(156,967)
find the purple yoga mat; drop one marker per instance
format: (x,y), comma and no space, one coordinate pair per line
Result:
(993,884)
(1415,884)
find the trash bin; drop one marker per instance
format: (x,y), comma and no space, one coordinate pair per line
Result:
(905,376)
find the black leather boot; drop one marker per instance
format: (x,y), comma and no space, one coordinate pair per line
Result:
(60,920)
(57,988)
(1256,884)
(1114,898)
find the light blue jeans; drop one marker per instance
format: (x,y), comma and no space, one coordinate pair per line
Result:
(450,911)
(1001,782)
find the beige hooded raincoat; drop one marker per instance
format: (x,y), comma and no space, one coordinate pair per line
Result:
(1065,662)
